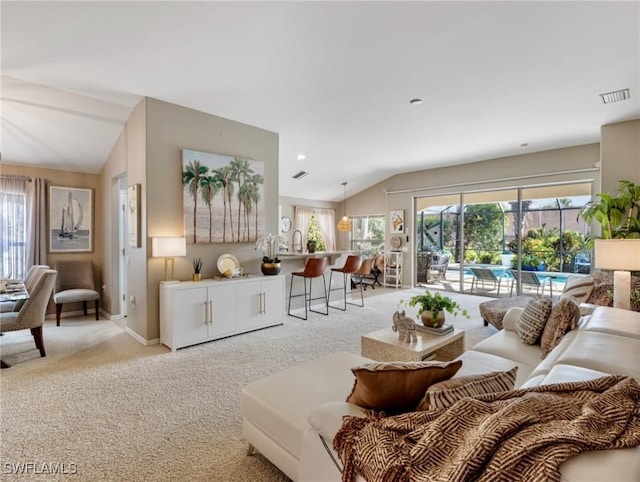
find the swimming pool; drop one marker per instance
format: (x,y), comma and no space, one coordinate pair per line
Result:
(556,277)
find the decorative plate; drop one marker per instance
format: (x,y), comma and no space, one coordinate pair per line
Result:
(395,242)
(227,261)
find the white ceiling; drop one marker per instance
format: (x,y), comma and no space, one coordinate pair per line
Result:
(334,79)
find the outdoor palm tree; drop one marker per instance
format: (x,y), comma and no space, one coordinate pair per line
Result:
(191,178)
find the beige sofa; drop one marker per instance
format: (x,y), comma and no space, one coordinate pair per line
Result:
(284,414)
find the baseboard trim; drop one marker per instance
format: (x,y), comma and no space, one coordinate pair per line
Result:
(140,339)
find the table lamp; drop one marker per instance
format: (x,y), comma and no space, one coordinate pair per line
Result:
(623,256)
(168,248)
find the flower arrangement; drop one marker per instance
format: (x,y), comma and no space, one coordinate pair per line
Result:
(269,246)
(435,303)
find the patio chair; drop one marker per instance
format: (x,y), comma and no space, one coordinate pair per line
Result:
(489,276)
(530,279)
(438,270)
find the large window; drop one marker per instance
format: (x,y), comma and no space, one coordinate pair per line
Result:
(13,231)
(317,224)
(367,235)
(528,228)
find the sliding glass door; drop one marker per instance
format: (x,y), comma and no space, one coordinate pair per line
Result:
(480,242)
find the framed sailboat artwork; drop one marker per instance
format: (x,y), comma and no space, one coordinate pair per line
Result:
(70,220)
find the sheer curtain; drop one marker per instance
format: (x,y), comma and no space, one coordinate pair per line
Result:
(23,232)
(326,222)
(13,233)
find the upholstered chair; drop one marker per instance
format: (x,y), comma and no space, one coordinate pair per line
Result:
(31,314)
(75,283)
(28,281)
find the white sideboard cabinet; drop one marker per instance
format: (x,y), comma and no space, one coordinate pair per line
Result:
(196,312)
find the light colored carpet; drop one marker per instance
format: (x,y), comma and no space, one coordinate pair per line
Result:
(121,411)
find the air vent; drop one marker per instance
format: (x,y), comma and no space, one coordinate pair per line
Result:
(300,175)
(617,96)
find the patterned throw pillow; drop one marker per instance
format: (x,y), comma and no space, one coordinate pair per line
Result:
(579,288)
(397,386)
(564,316)
(530,324)
(443,395)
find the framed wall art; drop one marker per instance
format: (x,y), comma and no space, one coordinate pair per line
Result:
(133,216)
(396,220)
(70,219)
(223,198)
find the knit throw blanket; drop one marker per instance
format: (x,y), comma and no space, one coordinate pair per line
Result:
(516,435)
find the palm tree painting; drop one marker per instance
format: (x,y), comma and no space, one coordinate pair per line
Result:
(223,198)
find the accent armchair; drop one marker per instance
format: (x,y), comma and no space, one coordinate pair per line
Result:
(75,283)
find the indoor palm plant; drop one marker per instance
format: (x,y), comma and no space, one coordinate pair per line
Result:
(431,308)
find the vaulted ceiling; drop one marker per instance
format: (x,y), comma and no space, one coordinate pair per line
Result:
(334,79)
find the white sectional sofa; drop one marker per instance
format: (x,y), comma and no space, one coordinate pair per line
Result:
(277,410)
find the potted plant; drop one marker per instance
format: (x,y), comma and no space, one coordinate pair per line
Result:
(269,246)
(197,269)
(617,214)
(431,308)
(530,262)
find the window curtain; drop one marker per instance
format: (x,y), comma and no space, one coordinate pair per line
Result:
(36,192)
(326,222)
(13,234)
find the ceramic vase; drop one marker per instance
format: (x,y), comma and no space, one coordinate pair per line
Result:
(269,269)
(427,319)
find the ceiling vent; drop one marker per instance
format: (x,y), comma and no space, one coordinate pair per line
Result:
(300,175)
(617,96)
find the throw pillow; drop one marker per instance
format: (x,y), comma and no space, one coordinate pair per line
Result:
(531,321)
(394,387)
(443,395)
(564,316)
(579,288)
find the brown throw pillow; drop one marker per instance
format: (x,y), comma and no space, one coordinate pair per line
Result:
(531,322)
(564,316)
(397,386)
(443,395)
(579,288)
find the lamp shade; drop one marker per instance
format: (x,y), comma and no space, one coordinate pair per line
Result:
(618,254)
(168,247)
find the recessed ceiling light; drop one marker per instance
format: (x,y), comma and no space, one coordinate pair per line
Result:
(301,157)
(415,101)
(617,96)
(524,144)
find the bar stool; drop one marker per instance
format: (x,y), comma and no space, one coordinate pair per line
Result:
(314,268)
(351,266)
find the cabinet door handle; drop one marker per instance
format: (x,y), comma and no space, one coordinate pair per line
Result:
(206,313)
(263,303)
(210,312)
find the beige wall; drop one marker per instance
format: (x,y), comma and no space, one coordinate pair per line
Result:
(620,150)
(171,128)
(72,179)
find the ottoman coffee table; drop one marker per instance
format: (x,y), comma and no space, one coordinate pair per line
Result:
(384,345)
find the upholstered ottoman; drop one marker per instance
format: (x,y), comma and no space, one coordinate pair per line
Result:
(275,409)
(493,311)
